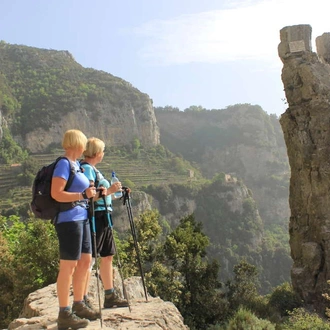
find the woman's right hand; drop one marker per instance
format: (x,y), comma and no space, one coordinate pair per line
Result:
(102,191)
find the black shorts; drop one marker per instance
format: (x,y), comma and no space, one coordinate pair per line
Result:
(104,237)
(74,238)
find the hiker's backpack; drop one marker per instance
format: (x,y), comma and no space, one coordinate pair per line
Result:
(43,205)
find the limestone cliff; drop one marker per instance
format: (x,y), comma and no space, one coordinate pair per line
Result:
(139,202)
(126,123)
(242,140)
(48,92)
(227,212)
(305,124)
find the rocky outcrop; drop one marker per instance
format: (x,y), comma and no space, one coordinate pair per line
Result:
(126,124)
(41,309)
(306,80)
(139,203)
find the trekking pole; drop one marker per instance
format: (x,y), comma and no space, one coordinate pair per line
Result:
(110,224)
(126,200)
(95,255)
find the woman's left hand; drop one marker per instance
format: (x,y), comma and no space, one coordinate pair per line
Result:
(90,192)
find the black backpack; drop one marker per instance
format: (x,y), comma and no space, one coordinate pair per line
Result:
(43,205)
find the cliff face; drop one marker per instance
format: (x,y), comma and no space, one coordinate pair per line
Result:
(227,212)
(242,140)
(45,92)
(115,126)
(305,124)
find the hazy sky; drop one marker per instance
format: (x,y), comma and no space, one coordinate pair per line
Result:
(212,53)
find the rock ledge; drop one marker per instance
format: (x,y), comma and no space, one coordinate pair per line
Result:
(41,309)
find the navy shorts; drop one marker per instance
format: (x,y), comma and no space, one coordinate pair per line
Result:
(74,238)
(104,237)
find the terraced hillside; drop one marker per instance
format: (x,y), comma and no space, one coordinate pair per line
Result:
(143,170)
(8,176)
(11,194)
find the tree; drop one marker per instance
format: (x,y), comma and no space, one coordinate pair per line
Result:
(167,108)
(7,276)
(10,151)
(195,108)
(200,302)
(147,230)
(29,261)
(29,169)
(177,269)
(243,289)
(136,144)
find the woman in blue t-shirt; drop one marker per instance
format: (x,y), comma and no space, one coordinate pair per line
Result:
(73,232)
(105,244)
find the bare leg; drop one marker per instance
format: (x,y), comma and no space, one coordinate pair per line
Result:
(106,272)
(64,280)
(80,276)
(89,273)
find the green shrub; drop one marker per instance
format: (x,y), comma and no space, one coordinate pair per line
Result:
(29,249)
(10,151)
(7,276)
(260,307)
(283,299)
(219,177)
(246,320)
(179,165)
(300,319)
(128,183)
(242,290)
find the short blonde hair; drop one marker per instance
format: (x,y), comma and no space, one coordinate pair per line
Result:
(73,138)
(93,147)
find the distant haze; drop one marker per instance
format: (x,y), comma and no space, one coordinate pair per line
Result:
(189,52)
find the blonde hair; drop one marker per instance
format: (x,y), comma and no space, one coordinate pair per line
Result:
(73,138)
(93,147)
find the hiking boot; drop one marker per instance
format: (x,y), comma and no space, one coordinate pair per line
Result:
(67,319)
(88,303)
(81,310)
(113,300)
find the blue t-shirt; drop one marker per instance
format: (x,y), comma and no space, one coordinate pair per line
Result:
(91,175)
(79,184)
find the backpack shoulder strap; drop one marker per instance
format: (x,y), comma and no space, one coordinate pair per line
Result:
(98,177)
(71,173)
(96,172)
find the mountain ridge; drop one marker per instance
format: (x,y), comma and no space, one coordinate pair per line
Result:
(48,92)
